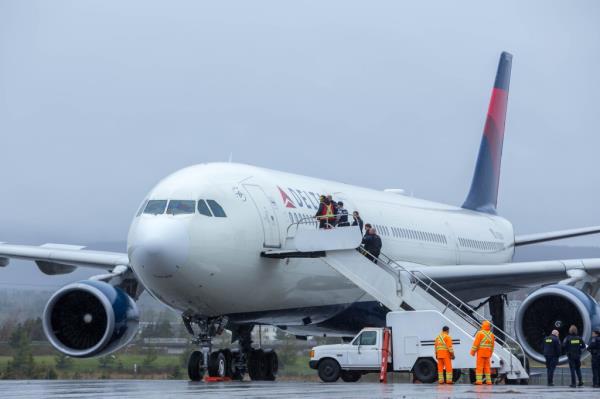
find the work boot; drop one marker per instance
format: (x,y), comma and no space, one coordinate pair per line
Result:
(573,386)
(550,384)
(580,384)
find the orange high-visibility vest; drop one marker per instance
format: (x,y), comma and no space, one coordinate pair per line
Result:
(483,344)
(443,346)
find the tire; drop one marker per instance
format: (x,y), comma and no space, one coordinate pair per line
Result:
(237,372)
(350,376)
(195,369)
(217,364)
(256,365)
(456,373)
(271,365)
(329,370)
(425,370)
(472,376)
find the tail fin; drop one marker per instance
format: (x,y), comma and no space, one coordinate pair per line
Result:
(483,194)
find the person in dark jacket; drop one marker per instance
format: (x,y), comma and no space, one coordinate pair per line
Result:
(594,348)
(552,351)
(372,244)
(572,346)
(342,215)
(357,221)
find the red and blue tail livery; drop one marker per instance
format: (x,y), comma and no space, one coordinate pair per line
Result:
(483,195)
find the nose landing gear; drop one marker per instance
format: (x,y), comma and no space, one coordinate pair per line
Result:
(261,365)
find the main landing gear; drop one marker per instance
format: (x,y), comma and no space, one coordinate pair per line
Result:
(261,365)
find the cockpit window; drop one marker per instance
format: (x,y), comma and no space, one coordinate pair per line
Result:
(155,207)
(179,207)
(142,207)
(203,208)
(216,209)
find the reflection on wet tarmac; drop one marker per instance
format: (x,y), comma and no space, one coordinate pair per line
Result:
(149,389)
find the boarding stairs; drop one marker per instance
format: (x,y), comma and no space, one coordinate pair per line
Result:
(395,285)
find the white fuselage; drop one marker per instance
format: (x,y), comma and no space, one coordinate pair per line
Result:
(212,266)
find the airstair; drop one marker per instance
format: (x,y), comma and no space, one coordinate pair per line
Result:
(393,284)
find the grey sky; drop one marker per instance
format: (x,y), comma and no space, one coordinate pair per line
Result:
(101,99)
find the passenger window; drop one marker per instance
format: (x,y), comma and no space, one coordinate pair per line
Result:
(216,209)
(203,208)
(180,207)
(155,207)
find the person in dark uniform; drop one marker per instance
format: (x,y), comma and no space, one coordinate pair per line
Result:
(372,244)
(342,215)
(573,345)
(594,348)
(357,220)
(552,351)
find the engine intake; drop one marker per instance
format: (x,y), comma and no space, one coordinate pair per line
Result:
(90,318)
(555,307)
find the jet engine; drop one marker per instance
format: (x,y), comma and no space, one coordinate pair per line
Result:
(90,318)
(555,307)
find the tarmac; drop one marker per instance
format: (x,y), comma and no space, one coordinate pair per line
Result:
(149,389)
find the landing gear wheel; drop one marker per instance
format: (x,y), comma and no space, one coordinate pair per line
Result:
(256,365)
(236,370)
(195,366)
(456,373)
(329,370)
(350,376)
(271,365)
(425,370)
(217,364)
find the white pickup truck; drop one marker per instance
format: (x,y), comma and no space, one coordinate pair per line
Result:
(411,350)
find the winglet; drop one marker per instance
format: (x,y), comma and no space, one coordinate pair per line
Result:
(483,195)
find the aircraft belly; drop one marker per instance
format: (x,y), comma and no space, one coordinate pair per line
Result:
(262,285)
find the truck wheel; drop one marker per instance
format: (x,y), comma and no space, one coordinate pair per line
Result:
(350,376)
(329,370)
(456,373)
(425,370)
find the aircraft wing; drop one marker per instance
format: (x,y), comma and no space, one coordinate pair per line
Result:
(61,259)
(554,235)
(478,281)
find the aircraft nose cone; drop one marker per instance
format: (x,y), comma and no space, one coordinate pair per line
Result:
(160,246)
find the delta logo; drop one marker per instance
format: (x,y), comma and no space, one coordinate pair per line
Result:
(287,201)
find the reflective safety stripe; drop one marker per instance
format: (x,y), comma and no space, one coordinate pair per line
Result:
(488,341)
(548,341)
(440,343)
(328,210)
(575,341)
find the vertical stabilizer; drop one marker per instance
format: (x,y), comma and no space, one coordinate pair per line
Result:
(483,194)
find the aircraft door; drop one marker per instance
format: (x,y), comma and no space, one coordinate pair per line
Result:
(267,211)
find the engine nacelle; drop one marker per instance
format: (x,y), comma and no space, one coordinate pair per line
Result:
(555,307)
(90,318)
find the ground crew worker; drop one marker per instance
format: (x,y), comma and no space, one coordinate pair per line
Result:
(551,353)
(594,348)
(444,353)
(483,346)
(573,345)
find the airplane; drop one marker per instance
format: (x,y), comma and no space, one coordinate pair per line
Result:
(210,242)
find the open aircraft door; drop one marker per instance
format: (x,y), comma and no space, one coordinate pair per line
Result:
(267,211)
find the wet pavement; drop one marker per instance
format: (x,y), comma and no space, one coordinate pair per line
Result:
(148,389)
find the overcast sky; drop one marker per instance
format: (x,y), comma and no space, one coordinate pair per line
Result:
(101,99)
